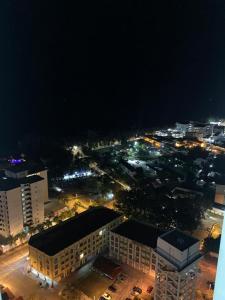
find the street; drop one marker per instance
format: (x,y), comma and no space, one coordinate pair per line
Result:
(13,275)
(208,273)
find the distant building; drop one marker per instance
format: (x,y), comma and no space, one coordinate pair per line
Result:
(183,127)
(58,251)
(195,129)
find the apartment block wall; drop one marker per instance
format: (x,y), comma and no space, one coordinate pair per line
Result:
(138,256)
(172,284)
(220,194)
(43,174)
(37,201)
(11,215)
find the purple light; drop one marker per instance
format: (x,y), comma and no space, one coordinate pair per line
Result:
(16,161)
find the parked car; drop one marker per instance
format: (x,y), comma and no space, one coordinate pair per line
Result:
(149,289)
(112,288)
(122,277)
(137,289)
(106,296)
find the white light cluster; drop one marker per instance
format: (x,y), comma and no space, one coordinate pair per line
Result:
(77,175)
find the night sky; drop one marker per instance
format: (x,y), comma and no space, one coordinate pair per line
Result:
(71,66)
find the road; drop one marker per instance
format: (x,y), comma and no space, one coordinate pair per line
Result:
(14,275)
(102,172)
(208,273)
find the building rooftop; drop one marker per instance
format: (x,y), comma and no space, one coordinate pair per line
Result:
(8,184)
(26,166)
(30,179)
(12,183)
(139,232)
(178,239)
(57,238)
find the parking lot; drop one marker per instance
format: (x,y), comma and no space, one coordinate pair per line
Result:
(94,284)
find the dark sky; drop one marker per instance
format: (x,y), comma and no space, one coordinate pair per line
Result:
(68,66)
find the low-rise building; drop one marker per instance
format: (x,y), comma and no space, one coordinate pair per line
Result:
(58,251)
(132,242)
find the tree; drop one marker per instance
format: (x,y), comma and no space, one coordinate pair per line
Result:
(32,230)
(6,240)
(156,208)
(47,223)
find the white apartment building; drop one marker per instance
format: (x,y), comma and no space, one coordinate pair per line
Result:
(24,170)
(60,250)
(219,293)
(176,266)
(133,242)
(11,214)
(23,191)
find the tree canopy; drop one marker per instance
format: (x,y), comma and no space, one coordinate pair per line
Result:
(155,207)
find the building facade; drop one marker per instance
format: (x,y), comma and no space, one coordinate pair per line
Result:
(176,266)
(171,257)
(11,214)
(60,250)
(33,193)
(219,292)
(133,243)
(26,170)
(23,191)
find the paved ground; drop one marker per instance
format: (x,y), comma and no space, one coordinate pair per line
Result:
(94,284)
(208,273)
(14,275)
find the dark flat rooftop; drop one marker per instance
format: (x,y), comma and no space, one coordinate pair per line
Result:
(55,239)
(11,183)
(139,232)
(30,179)
(26,166)
(7,184)
(179,239)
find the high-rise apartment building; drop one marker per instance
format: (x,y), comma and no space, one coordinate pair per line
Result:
(23,191)
(11,214)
